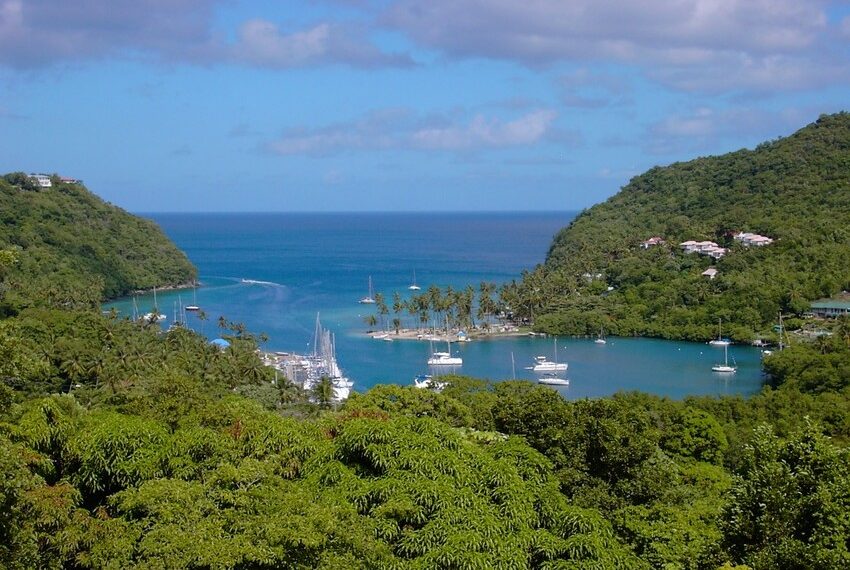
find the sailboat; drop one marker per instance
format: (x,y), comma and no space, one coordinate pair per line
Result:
(445,358)
(552,380)
(368,299)
(720,341)
(414,286)
(725,368)
(541,364)
(600,339)
(154,316)
(194,306)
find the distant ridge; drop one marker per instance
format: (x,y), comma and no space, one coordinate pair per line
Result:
(75,250)
(795,190)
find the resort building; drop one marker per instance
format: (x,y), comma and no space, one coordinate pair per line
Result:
(67,180)
(711,273)
(755,240)
(831,307)
(703,248)
(42,180)
(651,242)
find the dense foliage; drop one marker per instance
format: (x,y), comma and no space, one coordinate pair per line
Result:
(74,250)
(126,446)
(795,190)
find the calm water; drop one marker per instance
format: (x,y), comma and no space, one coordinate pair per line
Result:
(321,263)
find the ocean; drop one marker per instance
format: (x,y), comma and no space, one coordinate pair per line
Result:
(276,272)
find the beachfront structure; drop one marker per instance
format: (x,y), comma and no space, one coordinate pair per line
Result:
(703,248)
(651,242)
(831,307)
(711,273)
(42,180)
(755,240)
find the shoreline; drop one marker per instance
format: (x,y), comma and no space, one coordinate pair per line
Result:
(452,335)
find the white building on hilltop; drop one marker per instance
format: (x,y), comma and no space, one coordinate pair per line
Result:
(42,180)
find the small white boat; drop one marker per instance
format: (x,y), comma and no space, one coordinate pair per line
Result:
(426,381)
(601,338)
(414,286)
(368,299)
(194,306)
(724,368)
(553,381)
(153,317)
(541,364)
(444,359)
(720,341)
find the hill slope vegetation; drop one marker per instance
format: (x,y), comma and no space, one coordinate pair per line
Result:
(75,250)
(795,190)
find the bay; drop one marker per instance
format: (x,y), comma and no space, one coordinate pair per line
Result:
(275,272)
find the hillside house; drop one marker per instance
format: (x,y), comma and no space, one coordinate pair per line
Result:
(703,248)
(42,180)
(651,242)
(711,273)
(752,240)
(831,307)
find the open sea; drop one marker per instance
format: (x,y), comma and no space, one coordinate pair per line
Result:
(300,265)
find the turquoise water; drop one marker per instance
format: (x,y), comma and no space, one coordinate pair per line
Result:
(304,264)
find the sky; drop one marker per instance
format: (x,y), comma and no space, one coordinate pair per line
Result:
(402,105)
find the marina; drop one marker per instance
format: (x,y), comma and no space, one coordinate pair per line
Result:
(323,263)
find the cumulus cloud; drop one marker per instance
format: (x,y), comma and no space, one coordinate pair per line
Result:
(36,33)
(39,32)
(680,39)
(483,132)
(262,43)
(705,129)
(400,129)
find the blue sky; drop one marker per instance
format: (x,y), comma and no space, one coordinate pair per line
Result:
(315,105)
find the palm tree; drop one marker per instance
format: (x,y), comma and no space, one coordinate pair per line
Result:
(371,321)
(323,392)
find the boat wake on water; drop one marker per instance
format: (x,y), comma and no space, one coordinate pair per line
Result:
(258,282)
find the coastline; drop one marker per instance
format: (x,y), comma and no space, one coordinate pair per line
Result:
(452,335)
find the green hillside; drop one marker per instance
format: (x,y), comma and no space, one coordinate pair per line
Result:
(795,190)
(75,250)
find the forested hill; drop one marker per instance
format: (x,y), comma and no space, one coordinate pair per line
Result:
(75,250)
(795,190)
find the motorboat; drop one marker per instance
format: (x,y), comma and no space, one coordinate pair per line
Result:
(542,364)
(426,381)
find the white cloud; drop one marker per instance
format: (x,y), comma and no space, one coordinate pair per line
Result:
(399,129)
(739,41)
(39,33)
(482,132)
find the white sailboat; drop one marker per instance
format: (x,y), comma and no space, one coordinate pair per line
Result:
(541,364)
(368,299)
(725,368)
(445,358)
(600,339)
(720,341)
(154,316)
(414,286)
(553,380)
(194,306)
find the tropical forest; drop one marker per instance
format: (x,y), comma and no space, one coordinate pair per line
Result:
(123,445)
